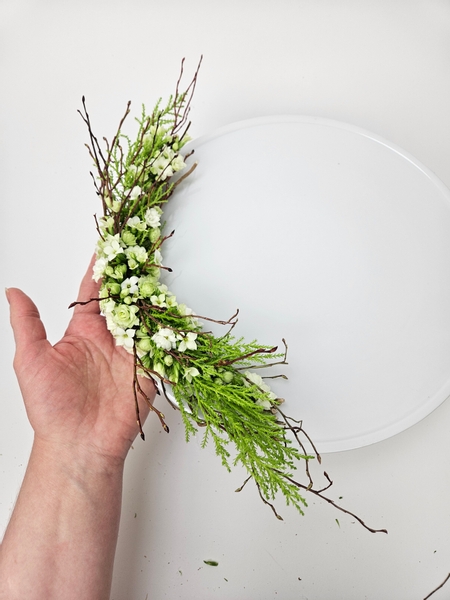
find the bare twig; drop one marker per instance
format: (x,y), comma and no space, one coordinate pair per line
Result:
(438,587)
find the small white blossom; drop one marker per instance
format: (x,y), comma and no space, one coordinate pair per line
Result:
(258,381)
(111,247)
(106,222)
(152,217)
(107,306)
(130,285)
(158,258)
(191,372)
(178,163)
(171,301)
(188,342)
(164,338)
(99,268)
(155,131)
(184,310)
(124,337)
(135,192)
(159,300)
(264,403)
(136,223)
(136,255)
(161,166)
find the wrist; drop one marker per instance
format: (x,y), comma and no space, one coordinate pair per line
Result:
(76,460)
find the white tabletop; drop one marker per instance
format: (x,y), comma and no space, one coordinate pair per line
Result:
(377,64)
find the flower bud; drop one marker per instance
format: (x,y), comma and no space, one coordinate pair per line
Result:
(144,344)
(168,359)
(114,288)
(128,238)
(155,234)
(159,368)
(147,286)
(227,376)
(145,360)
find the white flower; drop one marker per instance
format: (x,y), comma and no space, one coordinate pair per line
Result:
(188,342)
(164,338)
(158,258)
(111,247)
(191,372)
(136,223)
(99,268)
(159,300)
(135,192)
(171,301)
(152,217)
(124,337)
(184,310)
(264,403)
(178,163)
(107,306)
(258,381)
(136,255)
(130,285)
(106,222)
(161,166)
(155,131)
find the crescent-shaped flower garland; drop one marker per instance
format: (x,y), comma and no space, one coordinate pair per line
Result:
(213,379)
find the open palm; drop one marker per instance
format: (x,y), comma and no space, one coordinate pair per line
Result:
(79,391)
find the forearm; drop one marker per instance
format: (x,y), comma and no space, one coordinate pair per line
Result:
(61,540)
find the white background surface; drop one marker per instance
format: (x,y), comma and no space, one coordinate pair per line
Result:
(379,65)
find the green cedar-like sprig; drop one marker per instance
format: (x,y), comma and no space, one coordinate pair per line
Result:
(213,380)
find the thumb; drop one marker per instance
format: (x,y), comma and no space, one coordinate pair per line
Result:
(25,319)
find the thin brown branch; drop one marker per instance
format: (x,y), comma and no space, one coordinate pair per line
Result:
(227,363)
(136,387)
(330,482)
(319,494)
(266,365)
(80,303)
(239,489)
(438,587)
(185,175)
(295,432)
(152,408)
(279,517)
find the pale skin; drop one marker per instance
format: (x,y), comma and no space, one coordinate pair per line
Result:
(61,539)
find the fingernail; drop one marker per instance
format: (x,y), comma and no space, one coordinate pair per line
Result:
(6,293)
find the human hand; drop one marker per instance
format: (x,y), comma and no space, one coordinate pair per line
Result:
(79,392)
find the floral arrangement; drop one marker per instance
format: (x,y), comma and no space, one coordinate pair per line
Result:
(213,380)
